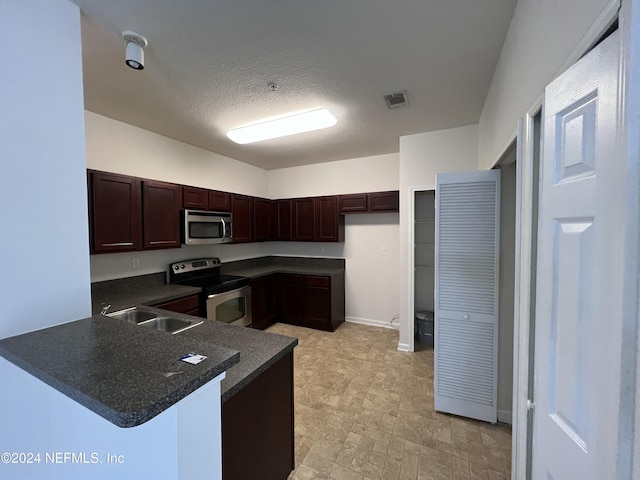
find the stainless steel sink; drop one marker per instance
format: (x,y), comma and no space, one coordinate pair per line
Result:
(153,321)
(133,315)
(167,324)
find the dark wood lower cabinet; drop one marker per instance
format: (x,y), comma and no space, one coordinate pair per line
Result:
(257,427)
(314,301)
(188,305)
(263,302)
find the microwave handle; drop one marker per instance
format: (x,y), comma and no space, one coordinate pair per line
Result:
(224,228)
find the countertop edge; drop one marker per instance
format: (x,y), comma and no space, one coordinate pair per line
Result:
(122,419)
(227,394)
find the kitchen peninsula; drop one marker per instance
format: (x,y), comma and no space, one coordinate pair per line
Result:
(127,375)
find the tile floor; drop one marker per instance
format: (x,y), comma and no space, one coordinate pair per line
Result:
(364,410)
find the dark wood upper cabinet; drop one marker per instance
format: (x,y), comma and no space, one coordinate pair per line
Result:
(195,198)
(261,219)
(161,203)
(329,223)
(219,201)
(303,214)
(356,202)
(384,201)
(369,202)
(283,221)
(115,210)
(242,211)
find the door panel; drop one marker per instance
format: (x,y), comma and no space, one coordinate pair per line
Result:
(466,309)
(578,335)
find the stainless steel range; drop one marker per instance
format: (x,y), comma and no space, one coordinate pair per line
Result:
(225,298)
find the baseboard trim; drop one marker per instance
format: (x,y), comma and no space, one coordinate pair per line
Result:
(404,347)
(504,416)
(371,322)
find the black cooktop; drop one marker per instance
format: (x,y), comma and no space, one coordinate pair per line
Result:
(205,273)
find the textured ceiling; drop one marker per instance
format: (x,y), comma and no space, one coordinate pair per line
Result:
(209,63)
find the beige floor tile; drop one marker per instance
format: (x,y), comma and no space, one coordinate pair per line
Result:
(318,463)
(364,410)
(326,447)
(341,473)
(410,463)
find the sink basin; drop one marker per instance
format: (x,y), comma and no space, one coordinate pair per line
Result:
(168,324)
(133,315)
(153,321)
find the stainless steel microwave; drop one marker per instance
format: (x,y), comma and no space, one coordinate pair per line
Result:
(201,228)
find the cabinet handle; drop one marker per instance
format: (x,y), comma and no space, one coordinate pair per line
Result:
(121,244)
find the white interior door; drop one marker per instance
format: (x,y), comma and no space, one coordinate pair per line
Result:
(466,293)
(579,274)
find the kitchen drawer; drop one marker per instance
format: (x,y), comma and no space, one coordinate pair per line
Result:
(291,279)
(186,305)
(315,281)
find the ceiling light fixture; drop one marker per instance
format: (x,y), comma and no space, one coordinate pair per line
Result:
(283,126)
(134,51)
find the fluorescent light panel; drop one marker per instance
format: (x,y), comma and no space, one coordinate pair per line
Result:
(282,127)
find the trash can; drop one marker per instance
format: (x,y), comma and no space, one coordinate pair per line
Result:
(425,327)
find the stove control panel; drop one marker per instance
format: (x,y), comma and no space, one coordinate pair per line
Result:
(195,265)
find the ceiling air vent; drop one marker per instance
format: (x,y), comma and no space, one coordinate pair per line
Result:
(398,99)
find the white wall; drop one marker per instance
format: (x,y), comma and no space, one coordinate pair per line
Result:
(43,206)
(422,156)
(117,265)
(541,39)
(118,147)
(364,174)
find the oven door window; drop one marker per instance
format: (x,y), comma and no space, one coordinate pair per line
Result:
(231,310)
(204,230)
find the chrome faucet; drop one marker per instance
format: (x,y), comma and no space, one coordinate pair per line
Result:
(104,310)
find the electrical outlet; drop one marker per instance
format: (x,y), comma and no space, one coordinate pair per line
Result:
(383,251)
(135,263)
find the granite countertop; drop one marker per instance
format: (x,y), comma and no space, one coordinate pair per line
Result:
(261,271)
(262,266)
(142,290)
(115,368)
(258,349)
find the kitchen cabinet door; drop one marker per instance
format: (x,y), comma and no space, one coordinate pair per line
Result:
(303,215)
(257,426)
(263,301)
(219,201)
(329,223)
(283,222)
(242,210)
(261,219)
(317,302)
(384,201)
(289,301)
(189,305)
(115,211)
(195,198)
(357,202)
(161,204)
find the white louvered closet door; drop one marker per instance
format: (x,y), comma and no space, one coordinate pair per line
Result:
(466,303)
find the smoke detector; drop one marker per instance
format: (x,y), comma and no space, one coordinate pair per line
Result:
(395,100)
